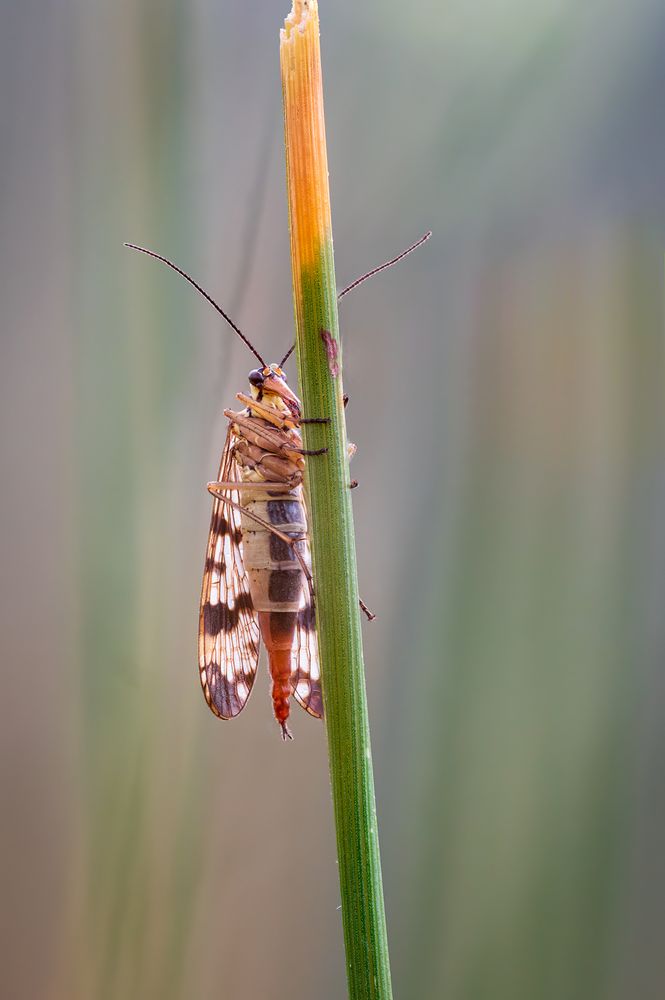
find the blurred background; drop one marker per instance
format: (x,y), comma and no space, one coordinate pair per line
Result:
(506,387)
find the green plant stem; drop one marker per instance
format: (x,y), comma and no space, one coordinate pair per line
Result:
(340,645)
(333,544)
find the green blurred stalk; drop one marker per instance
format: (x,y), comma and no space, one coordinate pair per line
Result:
(332,536)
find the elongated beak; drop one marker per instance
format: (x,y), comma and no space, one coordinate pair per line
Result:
(276,385)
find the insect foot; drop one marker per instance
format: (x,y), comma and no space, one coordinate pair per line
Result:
(315,451)
(370,614)
(286,732)
(315,420)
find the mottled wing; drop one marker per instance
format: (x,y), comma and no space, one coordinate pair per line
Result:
(228,624)
(305,671)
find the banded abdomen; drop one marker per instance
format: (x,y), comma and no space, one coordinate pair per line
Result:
(276,581)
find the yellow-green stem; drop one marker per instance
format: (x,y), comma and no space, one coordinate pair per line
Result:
(332,535)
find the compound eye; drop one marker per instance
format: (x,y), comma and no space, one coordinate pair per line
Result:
(256,377)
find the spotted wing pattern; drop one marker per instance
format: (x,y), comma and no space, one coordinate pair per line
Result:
(229,636)
(305,671)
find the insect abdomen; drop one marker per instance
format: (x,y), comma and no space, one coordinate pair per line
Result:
(275,583)
(275,574)
(278,631)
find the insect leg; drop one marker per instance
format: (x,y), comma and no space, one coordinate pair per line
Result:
(260,408)
(281,420)
(314,451)
(268,438)
(267,489)
(363,607)
(216,489)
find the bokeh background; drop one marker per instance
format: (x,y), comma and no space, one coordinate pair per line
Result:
(507,401)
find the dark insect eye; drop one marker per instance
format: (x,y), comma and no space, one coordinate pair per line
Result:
(256,377)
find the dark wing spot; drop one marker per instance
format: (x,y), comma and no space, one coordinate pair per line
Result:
(316,702)
(307,618)
(244,602)
(221,618)
(216,566)
(224,698)
(221,526)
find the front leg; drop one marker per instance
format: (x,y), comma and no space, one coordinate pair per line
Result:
(280,419)
(311,451)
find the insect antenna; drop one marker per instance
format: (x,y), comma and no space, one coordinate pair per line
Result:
(382,267)
(370,274)
(203,292)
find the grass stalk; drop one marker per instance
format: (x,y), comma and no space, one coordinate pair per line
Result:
(332,536)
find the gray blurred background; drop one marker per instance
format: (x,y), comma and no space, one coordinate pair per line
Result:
(506,391)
